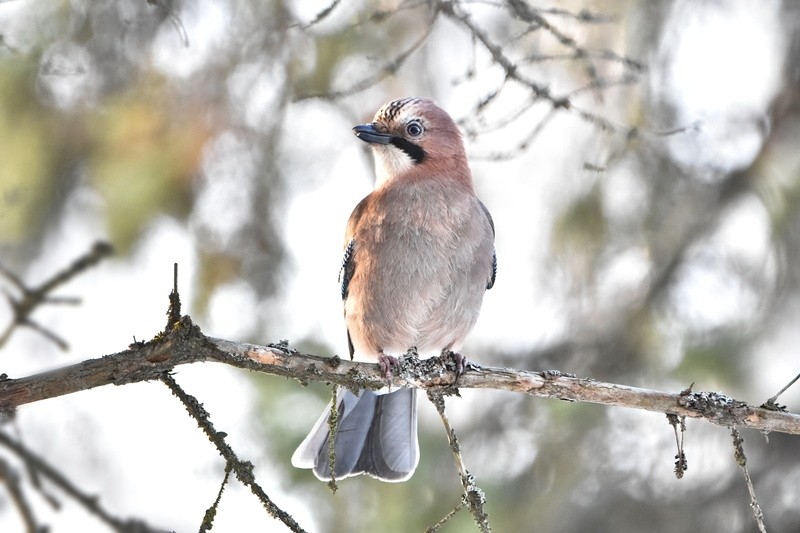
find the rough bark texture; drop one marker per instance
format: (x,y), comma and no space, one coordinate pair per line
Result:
(186,344)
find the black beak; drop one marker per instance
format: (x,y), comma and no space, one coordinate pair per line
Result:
(368,133)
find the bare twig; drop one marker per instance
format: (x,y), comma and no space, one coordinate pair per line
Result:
(11,479)
(679,424)
(333,429)
(509,67)
(33,475)
(174,309)
(772,403)
(524,143)
(473,496)
(446,518)
(584,15)
(741,460)
(242,469)
(211,512)
(386,70)
(32,297)
(89,502)
(536,19)
(322,15)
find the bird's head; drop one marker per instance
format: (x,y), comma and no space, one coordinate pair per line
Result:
(413,136)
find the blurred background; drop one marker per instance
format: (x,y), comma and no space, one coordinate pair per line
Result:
(641,160)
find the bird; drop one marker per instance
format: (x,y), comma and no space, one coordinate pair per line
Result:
(418,257)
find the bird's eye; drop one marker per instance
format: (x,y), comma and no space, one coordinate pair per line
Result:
(414,129)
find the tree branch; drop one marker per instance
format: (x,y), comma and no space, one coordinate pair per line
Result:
(473,496)
(186,344)
(89,502)
(242,469)
(32,297)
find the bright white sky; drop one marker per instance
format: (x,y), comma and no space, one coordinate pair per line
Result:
(719,67)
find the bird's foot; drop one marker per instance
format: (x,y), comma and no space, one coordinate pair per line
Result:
(387,363)
(458,360)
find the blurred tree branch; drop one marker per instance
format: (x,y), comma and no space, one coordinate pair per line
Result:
(32,297)
(186,344)
(40,466)
(389,68)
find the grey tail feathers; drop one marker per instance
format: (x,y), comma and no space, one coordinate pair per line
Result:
(377,435)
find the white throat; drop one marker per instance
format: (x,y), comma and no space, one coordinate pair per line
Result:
(390,162)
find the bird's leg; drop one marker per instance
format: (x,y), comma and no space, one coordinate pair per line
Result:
(460,362)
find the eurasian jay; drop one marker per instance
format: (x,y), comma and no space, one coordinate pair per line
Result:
(419,254)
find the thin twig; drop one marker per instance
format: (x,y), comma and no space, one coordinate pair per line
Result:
(33,474)
(741,460)
(473,496)
(32,297)
(11,480)
(511,70)
(446,518)
(536,19)
(772,403)
(333,429)
(681,464)
(89,502)
(322,15)
(386,70)
(524,144)
(242,469)
(174,309)
(211,512)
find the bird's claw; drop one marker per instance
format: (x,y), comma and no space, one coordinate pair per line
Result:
(457,359)
(387,363)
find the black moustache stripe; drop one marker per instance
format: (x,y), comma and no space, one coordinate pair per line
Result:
(414,151)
